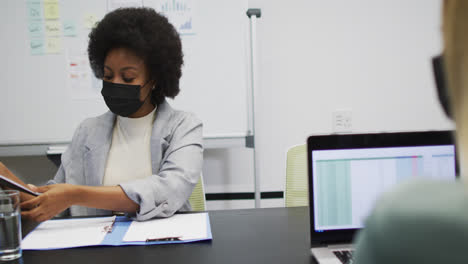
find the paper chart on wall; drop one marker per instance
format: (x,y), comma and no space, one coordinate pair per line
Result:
(81,81)
(179,12)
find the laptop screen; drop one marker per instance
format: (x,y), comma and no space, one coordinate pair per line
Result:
(348,173)
(349,181)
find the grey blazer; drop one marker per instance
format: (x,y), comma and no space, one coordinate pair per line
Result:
(176,160)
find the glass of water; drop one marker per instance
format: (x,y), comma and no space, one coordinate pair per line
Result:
(10,225)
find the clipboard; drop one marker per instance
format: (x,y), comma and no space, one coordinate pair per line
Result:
(4,181)
(98,231)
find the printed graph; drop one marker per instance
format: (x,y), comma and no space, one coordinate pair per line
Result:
(175,6)
(180,14)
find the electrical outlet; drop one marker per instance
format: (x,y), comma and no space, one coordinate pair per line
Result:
(342,121)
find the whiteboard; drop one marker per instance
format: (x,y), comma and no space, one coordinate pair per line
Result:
(44,98)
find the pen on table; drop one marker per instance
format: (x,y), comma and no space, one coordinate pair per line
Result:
(109,228)
(163,239)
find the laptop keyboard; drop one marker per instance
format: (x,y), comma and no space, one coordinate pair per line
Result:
(345,256)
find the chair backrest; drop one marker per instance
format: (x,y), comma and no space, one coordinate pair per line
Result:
(197,199)
(296,177)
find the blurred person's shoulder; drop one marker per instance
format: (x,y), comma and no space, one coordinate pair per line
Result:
(417,222)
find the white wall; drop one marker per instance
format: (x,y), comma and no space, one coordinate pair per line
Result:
(369,56)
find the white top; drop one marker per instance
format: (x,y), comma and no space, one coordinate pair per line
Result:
(130,154)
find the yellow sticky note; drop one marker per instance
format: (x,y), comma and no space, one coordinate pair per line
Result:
(53,28)
(53,45)
(90,20)
(51,10)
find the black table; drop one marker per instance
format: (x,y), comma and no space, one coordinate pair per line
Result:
(270,235)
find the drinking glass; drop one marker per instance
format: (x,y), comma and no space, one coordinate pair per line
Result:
(10,225)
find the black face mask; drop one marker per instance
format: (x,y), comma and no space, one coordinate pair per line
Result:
(122,99)
(441,83)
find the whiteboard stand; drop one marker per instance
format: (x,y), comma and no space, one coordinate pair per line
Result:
(253,14)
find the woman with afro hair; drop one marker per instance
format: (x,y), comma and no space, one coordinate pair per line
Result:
(142,157)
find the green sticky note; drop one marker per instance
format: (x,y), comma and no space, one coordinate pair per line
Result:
(36,29)
(69,28)
(37,46)
(34,10)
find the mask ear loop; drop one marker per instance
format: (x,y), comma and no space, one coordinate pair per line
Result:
(150,91)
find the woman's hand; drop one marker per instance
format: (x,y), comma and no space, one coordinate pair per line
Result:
(57,197)
(4,171)
(54,199)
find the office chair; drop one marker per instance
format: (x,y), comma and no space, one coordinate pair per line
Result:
(197,199)
(296,177)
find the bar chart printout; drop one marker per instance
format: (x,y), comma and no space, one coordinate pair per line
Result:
(180,14)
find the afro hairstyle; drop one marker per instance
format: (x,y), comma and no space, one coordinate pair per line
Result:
(150,36)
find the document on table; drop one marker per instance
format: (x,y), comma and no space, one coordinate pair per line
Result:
(118,231)
(180,226)
(68,233)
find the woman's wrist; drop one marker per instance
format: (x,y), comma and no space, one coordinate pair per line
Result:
(77,194)
(101,197)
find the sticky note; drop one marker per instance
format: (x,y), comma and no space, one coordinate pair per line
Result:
(37,46)
(53,28)
(51,10)
(33,8)
(35,29)
(69,28)
(53,45)
(90,20)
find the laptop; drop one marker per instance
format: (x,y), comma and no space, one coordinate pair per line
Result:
(348,173)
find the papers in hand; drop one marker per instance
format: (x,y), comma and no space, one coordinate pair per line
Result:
(4,181)
(178,227)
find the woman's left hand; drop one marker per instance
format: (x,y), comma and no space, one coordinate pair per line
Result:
(54,199)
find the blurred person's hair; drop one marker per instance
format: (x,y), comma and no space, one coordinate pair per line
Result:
(455,31)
